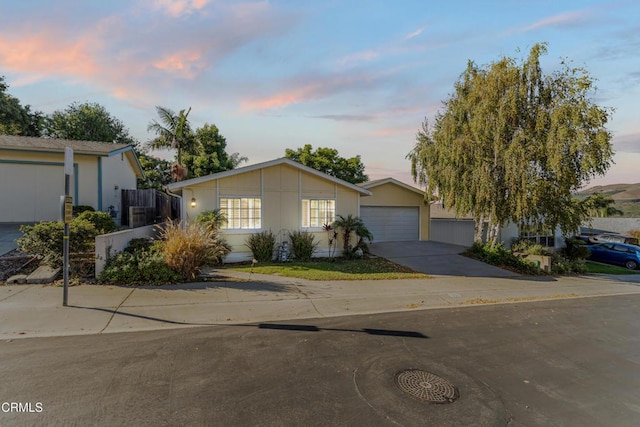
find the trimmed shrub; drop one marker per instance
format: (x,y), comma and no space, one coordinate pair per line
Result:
(528,247)
(262,245)
(77,210)
(303,245)
(102,221)
(574,249)
(188,250)
(45,240)
(562,265)
(141,262)
(499,256)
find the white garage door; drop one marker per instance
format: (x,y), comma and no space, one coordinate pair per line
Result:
(392,224)
(29,192)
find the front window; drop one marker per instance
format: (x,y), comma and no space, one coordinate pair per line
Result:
(317,212)
(539,235)
(242,212)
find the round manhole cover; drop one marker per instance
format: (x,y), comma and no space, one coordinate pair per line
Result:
(426,386)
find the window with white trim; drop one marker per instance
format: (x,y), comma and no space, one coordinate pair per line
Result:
(317,212)
(243,213)
(540,235)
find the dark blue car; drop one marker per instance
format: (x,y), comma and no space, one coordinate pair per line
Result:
(616,253)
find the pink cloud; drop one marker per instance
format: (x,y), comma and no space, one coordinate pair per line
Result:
(562,19)
(285,98)
(183,64)
(177,8)
(38,54)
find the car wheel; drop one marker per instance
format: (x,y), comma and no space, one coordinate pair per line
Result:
(631,265)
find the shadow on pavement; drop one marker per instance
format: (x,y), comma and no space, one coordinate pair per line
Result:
(271,326)
(238,285)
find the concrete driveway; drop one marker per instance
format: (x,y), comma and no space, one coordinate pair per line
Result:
(9,232)
(436,258)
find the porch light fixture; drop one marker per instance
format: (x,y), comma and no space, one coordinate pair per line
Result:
(193,202)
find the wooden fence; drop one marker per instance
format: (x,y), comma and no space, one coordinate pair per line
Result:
(151,207)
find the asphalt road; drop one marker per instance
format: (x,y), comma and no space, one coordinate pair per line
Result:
(564,362)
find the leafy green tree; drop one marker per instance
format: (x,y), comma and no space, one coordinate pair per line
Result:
(599,205)
(16,119)
(211,156)
(172,131)
(157,171)
(514,144)
(87,122)
(327,160)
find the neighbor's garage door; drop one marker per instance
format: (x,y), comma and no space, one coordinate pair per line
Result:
(30,192)
(392,224)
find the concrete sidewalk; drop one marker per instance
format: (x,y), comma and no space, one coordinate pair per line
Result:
(235,298)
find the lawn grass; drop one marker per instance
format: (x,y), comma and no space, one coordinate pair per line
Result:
(357,269)
(598,268)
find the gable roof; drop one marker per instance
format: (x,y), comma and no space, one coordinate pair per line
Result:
(378,182)
(54,145)
(257,166)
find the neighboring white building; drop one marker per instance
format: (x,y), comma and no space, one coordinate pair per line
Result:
(445,227)
(32,176)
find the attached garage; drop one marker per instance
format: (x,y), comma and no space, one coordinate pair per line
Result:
(32,176)
(392,223)
(36,197)
(395,211)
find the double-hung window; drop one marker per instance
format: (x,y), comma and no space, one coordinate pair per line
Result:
(317,212)
(243,213)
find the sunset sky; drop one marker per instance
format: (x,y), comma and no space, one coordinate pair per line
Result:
(358,76)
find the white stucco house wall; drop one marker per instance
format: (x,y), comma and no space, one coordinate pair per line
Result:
(32,176)
(278,196)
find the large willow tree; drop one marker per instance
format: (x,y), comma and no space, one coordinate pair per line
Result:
(514,144)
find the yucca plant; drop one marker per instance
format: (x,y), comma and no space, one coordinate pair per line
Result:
(303,245)
(262,245)
(186,250)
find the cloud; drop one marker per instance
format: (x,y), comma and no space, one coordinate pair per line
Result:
(47,51)
(562,20)
(312,87)
(177,8)
(627,143)
(415,33)
(138,51)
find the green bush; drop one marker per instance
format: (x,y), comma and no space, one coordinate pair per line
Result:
(186,250)
(563,265)
(499,256)
(575,249)
(211,220)
(45,239)
(77,210)
(303,245)
(528,247)
(140,263)
(262,246)
(102,221)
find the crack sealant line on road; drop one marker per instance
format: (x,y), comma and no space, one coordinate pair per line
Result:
(307,297)
(116,310)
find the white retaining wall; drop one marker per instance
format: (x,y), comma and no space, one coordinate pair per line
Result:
(112,243)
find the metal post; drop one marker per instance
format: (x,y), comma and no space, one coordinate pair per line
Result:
(65,249)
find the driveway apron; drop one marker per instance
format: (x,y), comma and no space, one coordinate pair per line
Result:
(436,258)
(9,232)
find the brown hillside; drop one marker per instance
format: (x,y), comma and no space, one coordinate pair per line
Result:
(616,191)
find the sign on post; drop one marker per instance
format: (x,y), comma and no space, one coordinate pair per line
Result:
(67,217)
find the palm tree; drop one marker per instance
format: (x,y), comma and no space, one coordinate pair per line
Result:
(352,224)
(172,131)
